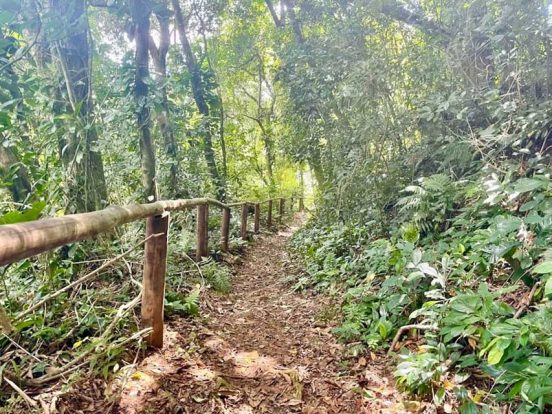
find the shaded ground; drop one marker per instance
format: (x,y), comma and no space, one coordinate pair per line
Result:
(261,349)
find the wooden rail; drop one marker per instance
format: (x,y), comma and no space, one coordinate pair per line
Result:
(20,241)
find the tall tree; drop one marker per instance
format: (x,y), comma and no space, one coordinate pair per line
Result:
(85,172)
(159,57)
(218,103)
(141,12)
(264,114)
(200,99)
(12,170)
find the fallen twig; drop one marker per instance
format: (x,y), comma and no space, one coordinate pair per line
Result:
(198,269)
(20,347)
(527,300)
(406,328)
(76,363)
(79,281)
(21,393)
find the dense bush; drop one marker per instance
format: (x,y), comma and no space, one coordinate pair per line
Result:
(463,260)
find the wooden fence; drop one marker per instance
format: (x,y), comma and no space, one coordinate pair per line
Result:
(20,241)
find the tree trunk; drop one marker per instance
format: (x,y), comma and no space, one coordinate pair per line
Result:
(295,24)
(18,181)
(223,142)
(159,57)
(198,91)
(86,180)
(141,11)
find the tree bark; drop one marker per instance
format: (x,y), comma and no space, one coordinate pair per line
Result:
(141,11)
(85,175)
(295,24)
(12,169)
(277,20)
(199,95)
(159,57)
(19,183)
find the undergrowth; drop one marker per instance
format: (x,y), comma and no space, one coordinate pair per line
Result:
(92,329)
(469,263)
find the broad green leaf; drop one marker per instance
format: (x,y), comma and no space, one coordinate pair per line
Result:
(495,355)
(439,397)
(428,270)
(542,268)
(22,216)
(548,287)
(529,205)
(468,407)
(524,185)
(466,303)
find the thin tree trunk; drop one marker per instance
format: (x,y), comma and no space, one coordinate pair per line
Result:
(18,181)
(87,186)
(220,108)
(159,57)
(223,141)
(266,132)
(198,91)
(295,25)
(141,11)
(277,20)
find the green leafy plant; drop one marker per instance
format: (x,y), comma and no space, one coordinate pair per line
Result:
(218,277)
(182,304)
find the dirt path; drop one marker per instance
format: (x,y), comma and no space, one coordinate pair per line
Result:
(261,349)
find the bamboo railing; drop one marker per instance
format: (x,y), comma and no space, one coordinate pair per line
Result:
(20,241)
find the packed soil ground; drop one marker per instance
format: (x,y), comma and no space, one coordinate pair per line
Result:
(260,349)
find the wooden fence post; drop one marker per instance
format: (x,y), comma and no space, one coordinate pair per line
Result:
(225,229)
(301,205)
(269,214)
(202,231)
(153,283)
(243,228)
(282,206)
(257,218)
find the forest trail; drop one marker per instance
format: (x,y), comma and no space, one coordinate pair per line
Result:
(260,349)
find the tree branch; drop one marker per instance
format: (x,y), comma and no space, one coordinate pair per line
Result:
(406,328)
(416,18)
(277,21)
(80,281)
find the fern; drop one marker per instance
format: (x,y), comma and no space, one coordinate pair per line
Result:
(218,277)
(428,205)
(177,303)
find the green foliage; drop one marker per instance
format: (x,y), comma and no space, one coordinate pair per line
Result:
(459,258)
(33,213)
(68,96)
(426,126)
(218,277)
(443,172)
(429,204)
(182,304)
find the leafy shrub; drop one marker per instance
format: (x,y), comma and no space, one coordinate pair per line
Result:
(182,304)
(458,257)
(218,277)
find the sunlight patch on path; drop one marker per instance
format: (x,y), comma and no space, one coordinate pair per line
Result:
(263,349)
(135,387)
